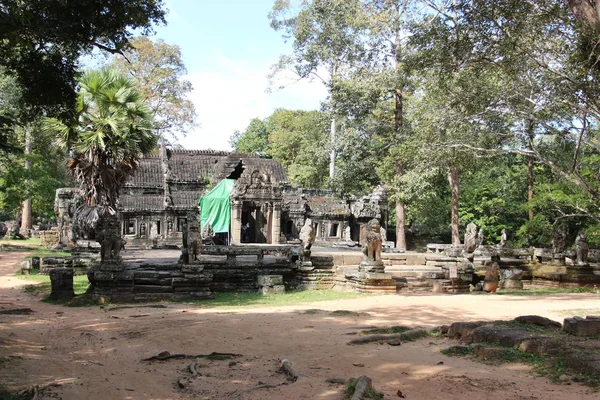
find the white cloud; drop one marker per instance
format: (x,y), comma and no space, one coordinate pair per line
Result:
(232,92)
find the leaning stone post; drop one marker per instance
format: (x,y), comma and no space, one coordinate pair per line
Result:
(236,222)
(61,280)
(276,223)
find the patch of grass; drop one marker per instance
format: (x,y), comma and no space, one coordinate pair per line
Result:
(369,393)
(459,351)
(578,312)
(545,291)
(80,283)
(529,327)
(33,246)
(248,300)
(346,313)
(6,394)
(386,330)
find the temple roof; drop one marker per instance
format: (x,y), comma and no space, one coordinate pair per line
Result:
(201,167)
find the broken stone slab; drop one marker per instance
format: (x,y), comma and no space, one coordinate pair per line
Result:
(270,280)
(541,345)
(463,330)
(502,335)
(578,326)
(537,320)
(490,353)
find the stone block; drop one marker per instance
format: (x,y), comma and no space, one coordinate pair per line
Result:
(103,276)
(61,280)
(151,289)
(113,267)
(192,269)
(540,345)
(538,320)
(277,289)
(122,297)
(270,280)
(124,276)
(582,327)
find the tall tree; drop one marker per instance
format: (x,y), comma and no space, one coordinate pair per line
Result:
(41,41)
(112,130)
(158,71)
(326,41)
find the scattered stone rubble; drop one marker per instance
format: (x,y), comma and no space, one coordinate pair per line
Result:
(494,339)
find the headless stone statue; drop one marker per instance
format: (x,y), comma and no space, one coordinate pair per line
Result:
(583,248)
(470,238)
(308,234)
(194,243)
(503,238)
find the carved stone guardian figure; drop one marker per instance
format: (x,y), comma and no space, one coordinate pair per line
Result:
(582,247)
(558,244)
(503,238)
(372,250)
(109,236)
(194,243)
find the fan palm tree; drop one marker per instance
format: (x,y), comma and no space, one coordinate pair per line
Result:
(111,131)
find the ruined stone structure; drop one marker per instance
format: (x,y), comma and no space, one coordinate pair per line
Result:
(161,202)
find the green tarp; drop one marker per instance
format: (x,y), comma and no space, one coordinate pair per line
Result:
(215,207)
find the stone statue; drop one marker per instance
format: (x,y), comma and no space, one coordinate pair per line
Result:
(383,233)
(109,236)
(194,241)
(582,248)
(559,239)
(347,234)
(308,233)
(372,250)
(470,238)
(142,229)
(207,233)
(503,238)
(480,237)
(492,276)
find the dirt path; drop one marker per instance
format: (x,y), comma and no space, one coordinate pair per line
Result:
(96,353)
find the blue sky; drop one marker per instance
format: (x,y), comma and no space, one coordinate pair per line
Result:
(228,48)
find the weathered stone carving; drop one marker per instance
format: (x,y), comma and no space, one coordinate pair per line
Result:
(559,239)
(308,233)
(109,236)
(492,276)
(582,247)
(503,238)
(347,234)
(470,238)
(194,243)
(480,237)
(372,250)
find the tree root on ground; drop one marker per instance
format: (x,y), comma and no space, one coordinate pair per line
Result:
(404,336)
(17,311)
(165,355)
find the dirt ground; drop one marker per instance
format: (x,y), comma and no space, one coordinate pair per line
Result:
(96,353)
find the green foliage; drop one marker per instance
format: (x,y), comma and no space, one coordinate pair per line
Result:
(535,232)
(493,196)
(112,130)
(41,41)
(297,139)
(158,72)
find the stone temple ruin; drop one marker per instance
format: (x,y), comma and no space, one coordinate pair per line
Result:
(161,201)
(272,228)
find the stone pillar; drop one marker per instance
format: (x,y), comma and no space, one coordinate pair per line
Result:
(62,284)
(276,223)
(269,218)
(236,222)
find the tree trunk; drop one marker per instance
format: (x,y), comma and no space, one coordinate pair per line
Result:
(26,217)
(530,185)
(398,131)
(400,215)
(453,179)
(332,155)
